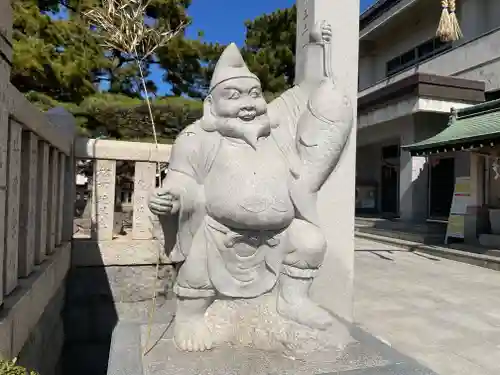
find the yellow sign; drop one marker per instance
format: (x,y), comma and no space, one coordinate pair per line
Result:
(456,226)
(458,210)
(462,186)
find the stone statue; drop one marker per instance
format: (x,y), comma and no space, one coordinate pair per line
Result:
(242,184)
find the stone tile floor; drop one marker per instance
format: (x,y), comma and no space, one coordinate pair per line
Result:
(443,313)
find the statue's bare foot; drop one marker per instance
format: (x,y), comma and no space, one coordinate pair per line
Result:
(192,335)
(191,332)
(305,312)
(295,304)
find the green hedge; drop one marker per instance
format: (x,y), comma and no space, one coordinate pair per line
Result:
(120,117)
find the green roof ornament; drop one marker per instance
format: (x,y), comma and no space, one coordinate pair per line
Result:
(454,113)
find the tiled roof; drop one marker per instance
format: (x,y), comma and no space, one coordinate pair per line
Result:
(472,127)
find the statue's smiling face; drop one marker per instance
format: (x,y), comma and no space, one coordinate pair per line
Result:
(239,98)
(239,109)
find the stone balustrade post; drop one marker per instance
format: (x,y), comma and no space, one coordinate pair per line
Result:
(103,199)
(53,198)
(144,183)
(4,142)
(65,121)
(12,206)
(28,224)
(42,210)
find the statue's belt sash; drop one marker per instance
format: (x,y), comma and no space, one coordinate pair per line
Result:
(251,237)
(241,263)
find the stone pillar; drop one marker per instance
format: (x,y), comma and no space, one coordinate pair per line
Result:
(333,288)
(413,179)
(12,204)
(61,198)
(103,199)
(4,142)
(144,183)
(29,185)
(42,210)
(5,59)
(66,123)
(305,15)
(53,204)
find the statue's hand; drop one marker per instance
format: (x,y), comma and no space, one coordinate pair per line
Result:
(163,202)
(322,32)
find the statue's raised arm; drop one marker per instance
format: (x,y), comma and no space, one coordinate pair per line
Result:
(312,121)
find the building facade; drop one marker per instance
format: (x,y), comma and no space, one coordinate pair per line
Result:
(473,135)
(409,81)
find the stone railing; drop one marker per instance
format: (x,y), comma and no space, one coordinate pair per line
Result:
(36,210)
(105,154)
(477,59)
(113,271)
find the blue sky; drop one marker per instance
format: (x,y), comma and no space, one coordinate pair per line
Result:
(223,21)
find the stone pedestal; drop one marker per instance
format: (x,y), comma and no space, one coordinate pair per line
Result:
(368,356)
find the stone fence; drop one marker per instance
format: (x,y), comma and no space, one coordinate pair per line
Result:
(105,154)
(36,211)
(113,274)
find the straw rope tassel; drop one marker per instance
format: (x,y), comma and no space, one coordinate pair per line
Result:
(444,28)
(456,33)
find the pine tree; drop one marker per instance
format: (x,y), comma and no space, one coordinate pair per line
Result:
(270,49)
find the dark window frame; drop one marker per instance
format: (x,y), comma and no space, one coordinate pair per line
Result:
(395,65)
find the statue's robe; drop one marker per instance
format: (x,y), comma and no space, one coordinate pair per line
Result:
(192,156)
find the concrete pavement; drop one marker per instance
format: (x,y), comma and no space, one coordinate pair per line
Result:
(443,313)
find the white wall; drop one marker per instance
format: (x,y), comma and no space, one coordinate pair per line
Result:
(403,33)
(493,14)
(478,17)
(409,29)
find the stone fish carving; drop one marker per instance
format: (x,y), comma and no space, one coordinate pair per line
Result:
(241,191)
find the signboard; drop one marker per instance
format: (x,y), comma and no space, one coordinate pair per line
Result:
(461,200)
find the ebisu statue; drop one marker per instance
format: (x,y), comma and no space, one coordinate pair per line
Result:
(242,186)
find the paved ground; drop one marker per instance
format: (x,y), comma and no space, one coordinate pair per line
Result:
(443,313)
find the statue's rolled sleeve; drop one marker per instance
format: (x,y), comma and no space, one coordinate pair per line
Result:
(183,152)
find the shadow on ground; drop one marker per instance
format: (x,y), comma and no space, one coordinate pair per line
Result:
(89,316)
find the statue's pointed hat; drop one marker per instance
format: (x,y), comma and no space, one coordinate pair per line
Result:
(230,65)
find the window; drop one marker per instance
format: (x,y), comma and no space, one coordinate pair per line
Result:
(416,55)
(425,49)
(408,57)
